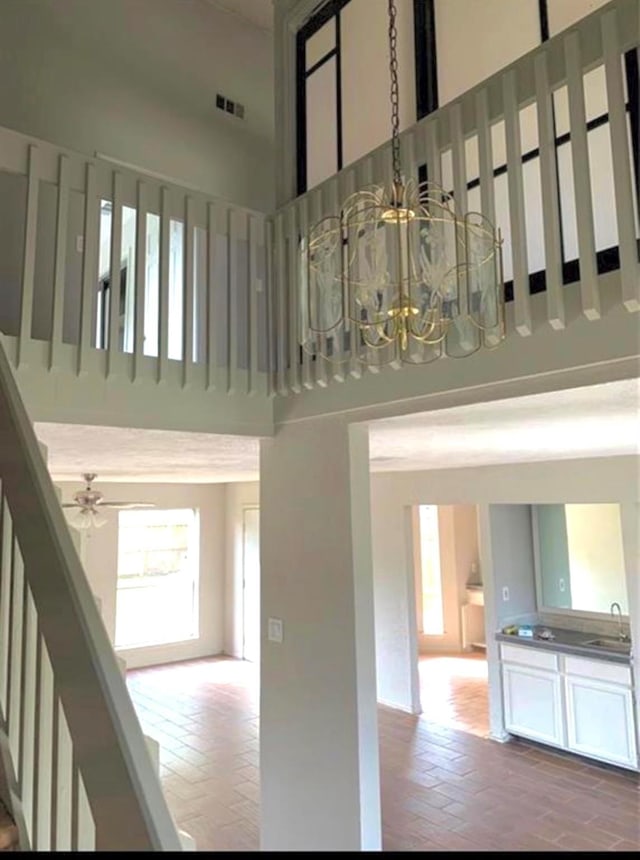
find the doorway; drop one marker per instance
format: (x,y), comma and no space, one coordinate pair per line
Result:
(251,584)
(452,664)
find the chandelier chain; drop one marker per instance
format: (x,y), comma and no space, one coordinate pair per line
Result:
(395,98)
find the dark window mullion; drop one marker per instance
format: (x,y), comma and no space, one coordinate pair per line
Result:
(301,113)
(319,63)
(426,63)
(633,94)
(338,93)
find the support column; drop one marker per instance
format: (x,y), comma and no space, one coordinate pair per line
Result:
(319,765)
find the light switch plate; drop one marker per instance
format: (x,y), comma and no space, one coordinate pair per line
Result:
(275,630)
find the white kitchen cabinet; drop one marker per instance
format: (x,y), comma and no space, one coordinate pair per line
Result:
(532,692)
(533,703)
(575,703)
(599,707)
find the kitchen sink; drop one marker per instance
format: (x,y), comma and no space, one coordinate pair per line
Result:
(611,644)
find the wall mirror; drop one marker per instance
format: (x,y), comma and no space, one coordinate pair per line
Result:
(579,558)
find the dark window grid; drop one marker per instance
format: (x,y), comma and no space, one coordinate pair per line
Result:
(425,73)
(319,19)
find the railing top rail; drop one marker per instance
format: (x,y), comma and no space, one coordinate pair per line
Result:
(127,803)
(14,147)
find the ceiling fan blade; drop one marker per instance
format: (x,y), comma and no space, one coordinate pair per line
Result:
(125,505)
(71,505)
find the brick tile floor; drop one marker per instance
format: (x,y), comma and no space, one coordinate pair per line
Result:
(444,785)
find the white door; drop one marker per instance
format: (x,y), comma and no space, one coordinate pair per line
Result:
(251,584)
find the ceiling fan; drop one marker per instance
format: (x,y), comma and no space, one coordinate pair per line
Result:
(88,503)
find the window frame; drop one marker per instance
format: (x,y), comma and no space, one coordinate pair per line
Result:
(193,574)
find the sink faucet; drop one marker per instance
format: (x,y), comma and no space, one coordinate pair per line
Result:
(622,636)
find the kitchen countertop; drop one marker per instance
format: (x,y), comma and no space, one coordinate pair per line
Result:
(567,642)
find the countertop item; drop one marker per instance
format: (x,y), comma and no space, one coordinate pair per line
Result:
(569,642)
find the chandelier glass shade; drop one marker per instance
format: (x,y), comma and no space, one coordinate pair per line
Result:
(398,275)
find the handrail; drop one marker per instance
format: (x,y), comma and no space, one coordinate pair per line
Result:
(81,768)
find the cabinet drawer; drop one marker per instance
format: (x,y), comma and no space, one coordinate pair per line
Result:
(598,670)
(525,656)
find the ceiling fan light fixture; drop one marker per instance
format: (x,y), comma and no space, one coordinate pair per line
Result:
(86,518)
(87,505)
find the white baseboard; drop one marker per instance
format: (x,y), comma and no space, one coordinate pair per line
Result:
(502,738)
(404,708)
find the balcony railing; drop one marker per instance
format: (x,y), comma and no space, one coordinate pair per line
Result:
(566,203)
(112,272)
(119,276)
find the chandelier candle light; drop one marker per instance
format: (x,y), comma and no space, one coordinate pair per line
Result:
(416,279)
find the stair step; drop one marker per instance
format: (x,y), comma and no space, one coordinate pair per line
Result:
(8,831)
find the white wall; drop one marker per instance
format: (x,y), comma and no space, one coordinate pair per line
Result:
(137,81)
(584,480)
(319,771)
(101,562)
(237,497)
(512,567)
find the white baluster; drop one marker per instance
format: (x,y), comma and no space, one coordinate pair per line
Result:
(629,265)
(59,265)
(212,339)
(163,322)
(140,279)
(550,206)
(187,313)
(589,289)
(522,303)
(255,287)
(29,254)
(89,265)
(113,347)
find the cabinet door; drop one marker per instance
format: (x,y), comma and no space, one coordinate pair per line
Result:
(600,720)
(533,703)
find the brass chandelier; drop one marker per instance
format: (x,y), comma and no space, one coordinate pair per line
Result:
(398,276)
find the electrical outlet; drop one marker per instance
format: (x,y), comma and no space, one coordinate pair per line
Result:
(505,593)
(561,585)
(79,244)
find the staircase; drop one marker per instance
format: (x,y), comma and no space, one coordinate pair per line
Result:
(72,751)
(187,841)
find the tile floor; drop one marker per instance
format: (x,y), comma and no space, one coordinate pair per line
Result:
(454,692)
(444,786)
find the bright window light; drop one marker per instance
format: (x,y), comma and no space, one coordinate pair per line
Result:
(158,564)
(431,575)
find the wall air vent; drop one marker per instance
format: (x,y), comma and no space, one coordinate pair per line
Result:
(225,104)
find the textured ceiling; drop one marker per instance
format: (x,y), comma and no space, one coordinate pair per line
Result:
(127,454)
(597,421)
(600,420)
